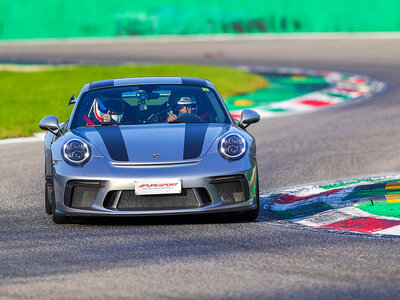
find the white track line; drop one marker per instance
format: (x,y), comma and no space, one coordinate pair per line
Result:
(37,137)
(333,216)
(395,230)
(210,37)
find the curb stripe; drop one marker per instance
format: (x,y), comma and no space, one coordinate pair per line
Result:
(316,103)
(366,225)
(392,198)
(288,198)
(304,211)
(392,185)
(332,216)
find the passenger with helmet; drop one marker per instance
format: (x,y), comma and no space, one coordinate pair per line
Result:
(184,105)
(106,112)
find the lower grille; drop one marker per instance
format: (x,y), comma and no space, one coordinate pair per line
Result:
(231,189)
(130,201)
(83,197)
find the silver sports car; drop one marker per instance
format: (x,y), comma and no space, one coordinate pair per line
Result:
(150,146)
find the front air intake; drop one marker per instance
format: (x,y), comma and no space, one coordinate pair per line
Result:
(81,194)
(231,189)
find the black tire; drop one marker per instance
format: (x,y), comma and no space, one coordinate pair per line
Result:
(250,215)
(247,216)
(47,197)
(57,218)
(61,219)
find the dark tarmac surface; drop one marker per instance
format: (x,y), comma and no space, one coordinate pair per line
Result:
(192,258)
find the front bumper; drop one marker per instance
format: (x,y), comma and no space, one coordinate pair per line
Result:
(103,189)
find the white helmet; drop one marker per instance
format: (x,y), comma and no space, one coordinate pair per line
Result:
(189,102)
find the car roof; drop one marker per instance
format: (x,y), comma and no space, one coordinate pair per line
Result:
(149,80)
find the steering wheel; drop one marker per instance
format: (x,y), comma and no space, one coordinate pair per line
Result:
(189,118)
(155,116)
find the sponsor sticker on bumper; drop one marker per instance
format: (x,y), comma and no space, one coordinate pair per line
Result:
(158,186)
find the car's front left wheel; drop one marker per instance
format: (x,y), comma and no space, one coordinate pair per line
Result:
(48,192)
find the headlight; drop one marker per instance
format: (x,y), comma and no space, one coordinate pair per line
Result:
(232,146)
(76,152)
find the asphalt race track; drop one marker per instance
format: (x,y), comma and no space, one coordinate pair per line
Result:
(192,258)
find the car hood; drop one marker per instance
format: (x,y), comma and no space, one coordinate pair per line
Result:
(153,143)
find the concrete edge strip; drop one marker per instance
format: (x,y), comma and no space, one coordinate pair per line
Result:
(209,37)
(37,137)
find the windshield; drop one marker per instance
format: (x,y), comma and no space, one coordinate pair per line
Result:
(149,104)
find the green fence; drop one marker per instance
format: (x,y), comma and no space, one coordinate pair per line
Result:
(21,19)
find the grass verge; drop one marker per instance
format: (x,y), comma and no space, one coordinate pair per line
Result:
(29,94)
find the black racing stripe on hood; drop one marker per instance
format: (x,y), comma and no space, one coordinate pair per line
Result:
(114,141)
(194,139)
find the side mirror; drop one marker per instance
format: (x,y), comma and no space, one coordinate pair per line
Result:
(50,123)
(249,117)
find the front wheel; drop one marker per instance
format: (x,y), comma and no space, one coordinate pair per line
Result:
(57,218)
(60,219)
(48,192)
(247,216)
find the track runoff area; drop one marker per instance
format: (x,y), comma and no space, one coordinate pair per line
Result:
(366,205)
(369,205)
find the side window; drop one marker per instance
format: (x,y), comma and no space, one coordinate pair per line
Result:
(84,108)
(219,113)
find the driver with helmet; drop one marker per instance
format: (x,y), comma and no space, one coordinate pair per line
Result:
(185,105)
(106,112)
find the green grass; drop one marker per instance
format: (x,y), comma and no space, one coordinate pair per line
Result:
(27,97)
(381,209)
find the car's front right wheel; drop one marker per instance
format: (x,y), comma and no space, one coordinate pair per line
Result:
(247,216)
